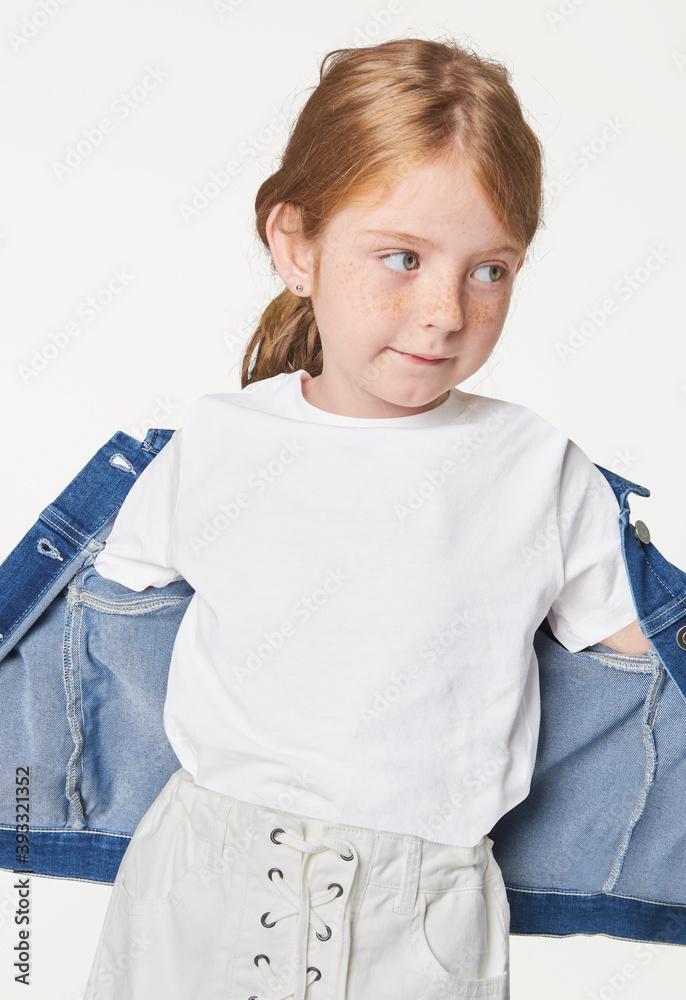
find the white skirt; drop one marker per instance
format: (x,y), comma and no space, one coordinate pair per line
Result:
(219,899)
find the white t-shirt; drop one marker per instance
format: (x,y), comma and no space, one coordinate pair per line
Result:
(359,644)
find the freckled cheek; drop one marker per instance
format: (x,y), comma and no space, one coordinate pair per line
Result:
(486,318)
(340,280)
(385,303)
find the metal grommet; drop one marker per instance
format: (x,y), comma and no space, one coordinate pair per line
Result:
(681,637)
(258,957)
(327,936)
(338,887)
(311,968)
(641,532)
(346,858)
(269,873)
(271,835)
(264,923)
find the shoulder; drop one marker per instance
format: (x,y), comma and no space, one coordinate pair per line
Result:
(213,409)
(506,409)
(516,421)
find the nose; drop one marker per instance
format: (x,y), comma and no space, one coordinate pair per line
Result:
(444,304)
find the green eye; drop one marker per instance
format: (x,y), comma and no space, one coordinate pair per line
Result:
(495,273)
(405,257)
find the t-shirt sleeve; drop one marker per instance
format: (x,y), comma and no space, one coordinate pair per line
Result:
(595,599)
(137,550)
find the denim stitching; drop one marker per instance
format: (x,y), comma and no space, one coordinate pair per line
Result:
(127,606)
(618,663)
(588,895)
(64,521)
(151,446)
(83,719)
(75,760)
(67,830)
(47,587)
(678,603)
(27,611)
(680,611)
(63,531)
(648,777)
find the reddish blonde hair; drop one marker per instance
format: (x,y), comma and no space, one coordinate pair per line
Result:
(376,112)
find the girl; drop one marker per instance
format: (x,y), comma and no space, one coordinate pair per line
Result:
(356,667)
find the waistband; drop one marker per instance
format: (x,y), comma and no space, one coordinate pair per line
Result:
(405,862)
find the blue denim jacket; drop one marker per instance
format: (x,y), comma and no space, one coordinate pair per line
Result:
(598,846)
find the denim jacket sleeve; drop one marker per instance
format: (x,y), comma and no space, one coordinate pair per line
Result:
(597,847)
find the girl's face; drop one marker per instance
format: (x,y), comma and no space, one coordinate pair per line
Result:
(425,270)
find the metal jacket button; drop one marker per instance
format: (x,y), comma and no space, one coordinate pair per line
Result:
(681,637)
(641,532)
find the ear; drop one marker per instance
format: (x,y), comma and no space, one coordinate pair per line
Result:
(291,253)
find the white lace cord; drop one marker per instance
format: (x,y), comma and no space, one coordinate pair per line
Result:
(303,904)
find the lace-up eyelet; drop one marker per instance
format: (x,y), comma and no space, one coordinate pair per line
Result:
(348,858)
(257,958)
(311,968)
(339,887)
(264,922)
(269,874)
(328,935)
(271,835)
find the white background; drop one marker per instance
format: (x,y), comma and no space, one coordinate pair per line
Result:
(227,78)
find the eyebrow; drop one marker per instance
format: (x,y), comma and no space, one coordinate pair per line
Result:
(420,241)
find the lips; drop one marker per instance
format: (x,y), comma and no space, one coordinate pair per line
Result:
(419,359)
